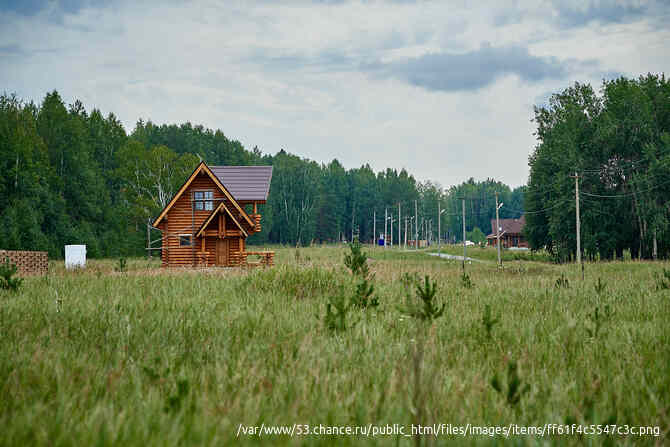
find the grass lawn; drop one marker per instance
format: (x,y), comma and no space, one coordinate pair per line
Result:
(156,356)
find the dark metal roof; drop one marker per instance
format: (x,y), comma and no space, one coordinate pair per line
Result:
(245,183)
(509,226)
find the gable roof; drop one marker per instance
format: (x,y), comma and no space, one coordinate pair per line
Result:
(509,226)
(245,183)
(222,206)
(202,167)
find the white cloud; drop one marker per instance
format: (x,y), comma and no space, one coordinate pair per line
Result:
(297,75)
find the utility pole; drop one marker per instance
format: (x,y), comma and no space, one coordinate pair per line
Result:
(405,232)
(430,233)
(386,219)
(374,227)
(416,225)
(399,239)
(464,252)
(391,232)
(498,230)
(579,248)
(353,213)
(439,221)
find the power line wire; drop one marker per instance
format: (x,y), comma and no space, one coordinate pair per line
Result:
(630,194)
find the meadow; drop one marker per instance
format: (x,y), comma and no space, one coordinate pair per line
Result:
(151,356)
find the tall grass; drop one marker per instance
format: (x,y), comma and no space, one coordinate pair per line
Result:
(173,357)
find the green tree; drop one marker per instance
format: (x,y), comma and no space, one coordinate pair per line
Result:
(151,177)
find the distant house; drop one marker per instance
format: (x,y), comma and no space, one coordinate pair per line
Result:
(206,223)
(511,233)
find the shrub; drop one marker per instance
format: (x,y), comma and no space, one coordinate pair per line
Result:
(597,320)
(427,309)
(8,280)
(514,388)
(600,287)
(174,402)
(363,296)
(357,260)
(562,282)
(663,280)
(337,309)
(487,321)
(409,280)
(466,281)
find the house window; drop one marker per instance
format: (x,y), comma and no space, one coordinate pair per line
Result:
(203,200)
(184,240)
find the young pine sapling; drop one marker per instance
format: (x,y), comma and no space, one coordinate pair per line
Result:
(515,387)
(488,321)
(357,262)
(562,282)
(337,309)
(597,320)
(466,281)
(8,280)
(363,296)
(663,280)
(428,308)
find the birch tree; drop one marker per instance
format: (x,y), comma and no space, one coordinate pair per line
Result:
(151,177)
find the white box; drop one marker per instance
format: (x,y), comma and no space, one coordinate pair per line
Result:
(75,256)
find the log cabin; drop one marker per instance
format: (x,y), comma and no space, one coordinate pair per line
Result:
(208,220)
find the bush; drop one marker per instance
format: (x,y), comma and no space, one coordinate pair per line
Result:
(562,282)
(663,280)
(337,309)
(514,388)
(488,321)
(357,260)
(8,280)
(427,309)
(466,281)
(363,296)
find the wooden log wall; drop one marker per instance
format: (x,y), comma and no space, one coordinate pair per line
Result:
(257,221)
(179,221)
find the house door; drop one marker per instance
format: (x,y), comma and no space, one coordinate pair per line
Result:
(222,252)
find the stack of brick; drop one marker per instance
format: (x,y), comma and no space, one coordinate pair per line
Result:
(27,262)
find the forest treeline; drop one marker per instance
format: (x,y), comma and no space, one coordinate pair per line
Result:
(73,176)
(70,176)
(617,143)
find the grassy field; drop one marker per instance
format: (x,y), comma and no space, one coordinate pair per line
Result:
(160,357)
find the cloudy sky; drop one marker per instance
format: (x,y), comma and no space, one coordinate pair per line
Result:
(443,89)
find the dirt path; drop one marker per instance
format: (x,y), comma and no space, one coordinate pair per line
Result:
(454,257)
